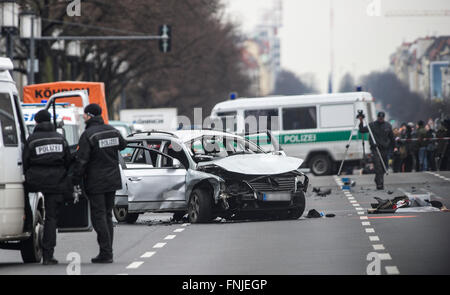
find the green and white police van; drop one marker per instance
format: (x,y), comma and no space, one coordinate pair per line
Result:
(312,127)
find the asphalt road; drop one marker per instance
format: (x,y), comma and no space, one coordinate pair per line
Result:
(407,243)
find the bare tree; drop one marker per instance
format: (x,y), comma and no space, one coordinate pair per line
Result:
(347,83)
(289,84)
(203,66)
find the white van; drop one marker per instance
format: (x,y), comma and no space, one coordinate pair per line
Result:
(312,127)
(13,213)
(13,134)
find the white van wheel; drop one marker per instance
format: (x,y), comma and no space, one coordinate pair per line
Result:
(31,249)
(320,165)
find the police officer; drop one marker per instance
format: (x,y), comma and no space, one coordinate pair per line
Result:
(97,166)
(384,137)
(46,160)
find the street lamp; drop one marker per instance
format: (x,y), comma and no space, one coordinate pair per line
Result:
(30,28)
(9,23)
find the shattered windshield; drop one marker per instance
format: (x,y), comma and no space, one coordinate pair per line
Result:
(222,146)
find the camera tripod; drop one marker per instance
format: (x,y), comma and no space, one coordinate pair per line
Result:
(360,114)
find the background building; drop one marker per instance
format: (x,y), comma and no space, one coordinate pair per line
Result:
(424,66)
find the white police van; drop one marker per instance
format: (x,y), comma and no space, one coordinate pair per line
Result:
(13,213)
(312,127)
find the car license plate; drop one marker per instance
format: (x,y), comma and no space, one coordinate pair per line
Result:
(277,197)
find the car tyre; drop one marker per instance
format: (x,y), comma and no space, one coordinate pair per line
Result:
(31,249)
(320,165)
(120,213)
(299,202)
(200,207)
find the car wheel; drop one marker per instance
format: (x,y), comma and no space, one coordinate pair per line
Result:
(320,165)
(200,207)
(299,202)
(31,249)
(120,213)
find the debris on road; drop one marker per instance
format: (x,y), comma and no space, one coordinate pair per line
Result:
(313,214)
(322,193)
(407,203)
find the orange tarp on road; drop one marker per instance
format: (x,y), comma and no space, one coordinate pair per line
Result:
(96,90)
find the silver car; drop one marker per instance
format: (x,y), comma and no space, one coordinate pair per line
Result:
(207,174)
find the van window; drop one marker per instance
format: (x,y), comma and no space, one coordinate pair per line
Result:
(261,120)
(299,118)
(7,121)
(334,116)
(229,122)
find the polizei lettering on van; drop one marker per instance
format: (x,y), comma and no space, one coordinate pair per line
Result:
(49,148)
(108,142)
(299,138)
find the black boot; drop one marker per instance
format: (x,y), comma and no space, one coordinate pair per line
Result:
(102,259)
(49,261)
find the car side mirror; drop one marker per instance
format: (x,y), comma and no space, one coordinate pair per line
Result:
(203,158)
(177,164)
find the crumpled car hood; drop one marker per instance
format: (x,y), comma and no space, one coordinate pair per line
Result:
(257,164)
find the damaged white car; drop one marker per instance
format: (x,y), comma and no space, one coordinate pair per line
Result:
(207,174)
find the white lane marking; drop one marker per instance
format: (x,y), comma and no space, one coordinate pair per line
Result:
(374,238)
(148,254)
(370,230)
(351,198)
(365,223)
(359,209)
(135,264)
(159,245)
(440,176)
(363,217)
(360,213)
(178,230)
(170,237)
(392,270)
(356,205)
(378,246)
(185,224)
(384,256)
(122,274)
(353,201)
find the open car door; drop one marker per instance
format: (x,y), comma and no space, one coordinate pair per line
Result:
(73,217)
(155,181)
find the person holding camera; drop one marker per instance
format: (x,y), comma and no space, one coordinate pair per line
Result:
(385,141)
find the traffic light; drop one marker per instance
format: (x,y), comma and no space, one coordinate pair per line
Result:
(165,44)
